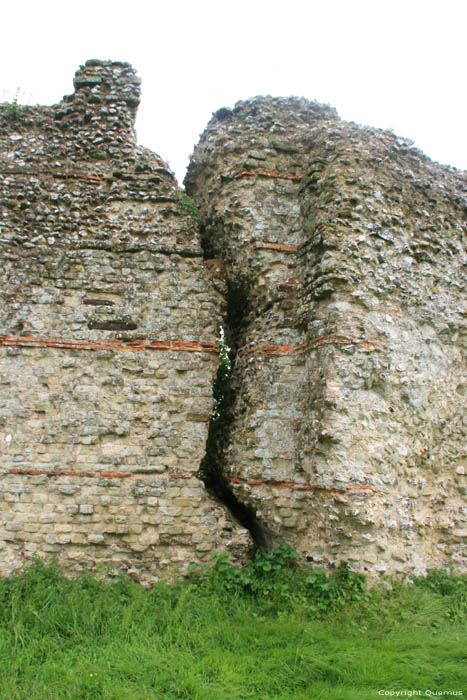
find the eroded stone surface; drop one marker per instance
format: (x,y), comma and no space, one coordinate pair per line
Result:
(345,254)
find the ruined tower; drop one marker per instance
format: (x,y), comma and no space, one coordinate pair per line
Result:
(345,260)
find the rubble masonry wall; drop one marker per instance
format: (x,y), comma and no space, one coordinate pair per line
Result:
(334,255)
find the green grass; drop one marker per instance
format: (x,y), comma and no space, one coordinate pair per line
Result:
(208,639)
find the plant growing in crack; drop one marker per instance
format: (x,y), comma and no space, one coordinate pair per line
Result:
(222,376)
(211,470)
(218,390)
(190,206)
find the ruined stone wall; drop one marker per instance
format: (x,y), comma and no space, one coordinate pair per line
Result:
(333,255)
(345,257)
(108,325)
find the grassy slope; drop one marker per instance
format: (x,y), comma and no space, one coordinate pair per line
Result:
(194,641)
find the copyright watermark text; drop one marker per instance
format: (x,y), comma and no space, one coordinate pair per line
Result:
(420,693)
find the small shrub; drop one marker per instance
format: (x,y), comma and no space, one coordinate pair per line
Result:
(189,205)
(13,110)
(274,576)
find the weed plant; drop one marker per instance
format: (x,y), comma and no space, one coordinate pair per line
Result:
(209,466)
(274,581)
(190,206)
(12,109)
(268,630)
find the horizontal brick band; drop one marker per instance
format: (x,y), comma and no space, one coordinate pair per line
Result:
(81,175)
(113,345)
(267,173)
(75,175)
(291,485)
(93,475)
(260,245)
(304,486)
(173,346)
(66,472)
(320,341)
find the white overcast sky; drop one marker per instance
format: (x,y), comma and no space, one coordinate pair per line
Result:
(385,63)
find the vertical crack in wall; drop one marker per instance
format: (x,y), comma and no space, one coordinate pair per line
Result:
(212,471)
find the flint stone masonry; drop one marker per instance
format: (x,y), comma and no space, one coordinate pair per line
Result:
(108,325)
(334,257)
(345,260)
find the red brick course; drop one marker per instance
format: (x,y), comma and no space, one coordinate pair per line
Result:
(267,173)
(114,345)
(305,486)
(90,474)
